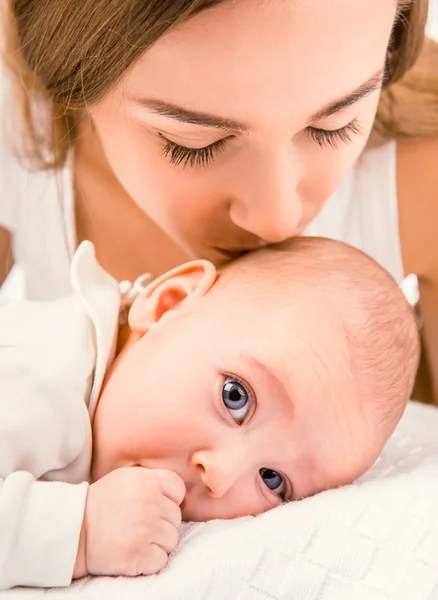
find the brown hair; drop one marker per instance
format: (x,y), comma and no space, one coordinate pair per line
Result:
(67,55)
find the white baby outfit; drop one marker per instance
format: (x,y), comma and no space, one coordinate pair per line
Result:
(53,358)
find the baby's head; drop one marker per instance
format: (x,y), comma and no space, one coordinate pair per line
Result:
(280,377)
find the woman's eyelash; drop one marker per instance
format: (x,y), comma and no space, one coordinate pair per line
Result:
(336,137)
(192,157)
(202,157)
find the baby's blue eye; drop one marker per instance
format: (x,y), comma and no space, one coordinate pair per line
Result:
(236,399)
(273,480)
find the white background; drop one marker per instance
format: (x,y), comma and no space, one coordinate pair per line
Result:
(433,19)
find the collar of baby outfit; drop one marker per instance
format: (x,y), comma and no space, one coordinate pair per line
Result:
(100,298)
(106,303)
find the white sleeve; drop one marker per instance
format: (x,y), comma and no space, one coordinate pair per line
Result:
(40,524)
(44,427)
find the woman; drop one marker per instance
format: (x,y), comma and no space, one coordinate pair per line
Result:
(168,129)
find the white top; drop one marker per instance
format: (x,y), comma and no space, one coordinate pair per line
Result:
(53,358)
(363,211)
(38,208)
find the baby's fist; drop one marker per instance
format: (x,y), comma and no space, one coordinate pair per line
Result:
(131,519)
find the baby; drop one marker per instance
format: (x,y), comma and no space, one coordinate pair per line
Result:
(224,395)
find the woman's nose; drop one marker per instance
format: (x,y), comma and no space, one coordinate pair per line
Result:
(266,202)
(219,471)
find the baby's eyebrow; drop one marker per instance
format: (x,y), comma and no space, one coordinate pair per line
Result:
(280,390)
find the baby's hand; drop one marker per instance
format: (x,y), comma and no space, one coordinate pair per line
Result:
(131,522)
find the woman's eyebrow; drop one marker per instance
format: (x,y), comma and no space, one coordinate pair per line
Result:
(194,117)
(365,89)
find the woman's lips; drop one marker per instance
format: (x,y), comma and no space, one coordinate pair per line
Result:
(233,253)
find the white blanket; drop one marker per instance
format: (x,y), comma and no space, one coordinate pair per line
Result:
(374,540)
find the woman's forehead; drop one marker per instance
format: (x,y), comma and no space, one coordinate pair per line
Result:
(282,48)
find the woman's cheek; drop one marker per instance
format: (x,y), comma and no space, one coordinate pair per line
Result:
(325,168)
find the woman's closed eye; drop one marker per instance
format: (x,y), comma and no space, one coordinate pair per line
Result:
(239,401)
(335,137)
(179,155)
(192,157)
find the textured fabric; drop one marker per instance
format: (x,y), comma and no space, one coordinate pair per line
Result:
(374,540)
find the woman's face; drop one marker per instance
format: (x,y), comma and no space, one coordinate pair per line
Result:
(236,127)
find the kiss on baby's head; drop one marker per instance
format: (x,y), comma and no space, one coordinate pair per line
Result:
(282,376)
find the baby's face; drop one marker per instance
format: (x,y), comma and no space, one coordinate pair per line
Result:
(250,404)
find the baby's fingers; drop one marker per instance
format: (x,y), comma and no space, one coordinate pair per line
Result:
(166,537)
(155,560)
(171,485)
(170,512)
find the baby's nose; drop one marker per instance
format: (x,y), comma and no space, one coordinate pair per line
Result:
(219,472)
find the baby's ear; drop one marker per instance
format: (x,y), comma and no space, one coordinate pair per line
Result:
(182,284)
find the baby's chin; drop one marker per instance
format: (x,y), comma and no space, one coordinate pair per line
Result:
(200,512)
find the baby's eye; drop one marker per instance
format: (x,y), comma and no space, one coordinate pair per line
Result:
(273,480)
(236,399)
